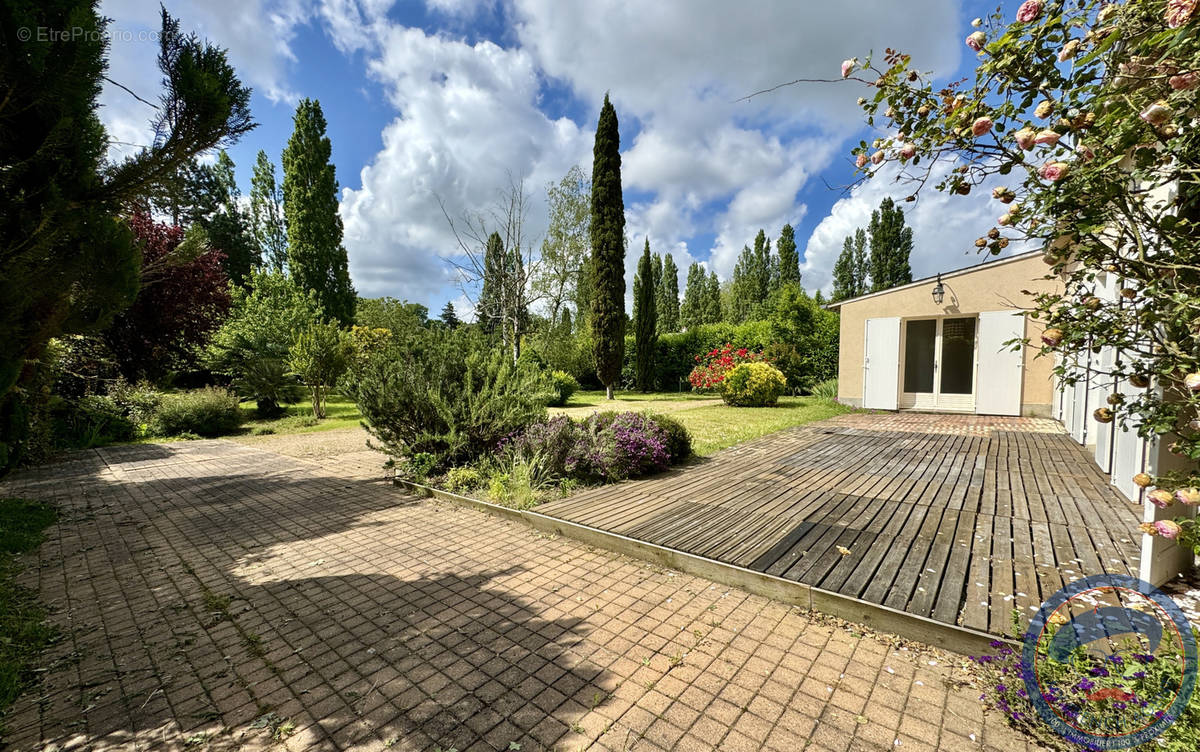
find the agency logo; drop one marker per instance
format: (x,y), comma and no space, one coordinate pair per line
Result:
(1109,662)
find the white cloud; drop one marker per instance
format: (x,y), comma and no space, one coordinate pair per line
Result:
(944,226)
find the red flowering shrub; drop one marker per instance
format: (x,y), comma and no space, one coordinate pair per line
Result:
(712,366)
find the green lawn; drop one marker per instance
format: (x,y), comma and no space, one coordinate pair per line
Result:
(713,424)
(340,412)
(22,631)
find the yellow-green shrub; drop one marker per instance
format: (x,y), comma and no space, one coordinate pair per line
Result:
(753,385)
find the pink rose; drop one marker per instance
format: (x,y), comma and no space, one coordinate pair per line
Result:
(848,66)
(976,40)
(907,150)
(981,126)
(1161,498)
(1005,219)
(860,161)
(1048,137)
(1188,496)
(1029,10)
(1168,528)
(1085,152)
(1185,81)
(1157,113)
(1054,171)
(877,157)
(1025,137)
(1179,12)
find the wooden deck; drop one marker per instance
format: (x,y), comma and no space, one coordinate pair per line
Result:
(957,518)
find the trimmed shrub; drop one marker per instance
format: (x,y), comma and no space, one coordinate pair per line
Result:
(679,441)
(208,412)
(826,390)
(565,385)
(753,385)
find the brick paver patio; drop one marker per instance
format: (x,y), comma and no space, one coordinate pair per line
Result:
(219,596)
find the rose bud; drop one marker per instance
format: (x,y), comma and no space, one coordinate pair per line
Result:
(1192,381)
(1139,381)
(923,110)
(1157,113)
(1048,137)
(1051,337)
(977,22)
(1148,528)
(907,150)
(860,161)
(981,126)
(1161,498)
(1188,496)
(1025,137)
(981,242)
(1142,480)
(1068,51)
(1184,81)
(1103,415)
(976,40)
(848,66)
(1044,109)
(1168,528)
(877,157)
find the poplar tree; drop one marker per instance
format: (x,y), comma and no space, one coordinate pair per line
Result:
(316,256)
(712,299)
(668,303)
(488,310)
(645,319)
(691,312)
(789,259)
(608,251)
(891,245)
(266,214)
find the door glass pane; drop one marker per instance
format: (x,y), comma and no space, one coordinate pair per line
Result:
(958,356)
(919,337)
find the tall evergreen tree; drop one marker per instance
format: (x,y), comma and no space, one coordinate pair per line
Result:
(862,263)
(266,214)
(645,320)
(608,251)
(891,245)
(668,303)
(70,261)
(316,256)
(449,316)
(229,229)
(844,284)
(761,280)
(489,308)
(789,259)
(743,287)
(691,312)
(712,300)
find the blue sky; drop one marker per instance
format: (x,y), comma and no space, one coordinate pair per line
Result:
(444,99)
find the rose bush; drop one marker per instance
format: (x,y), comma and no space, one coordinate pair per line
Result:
(712,366)
(1092,107)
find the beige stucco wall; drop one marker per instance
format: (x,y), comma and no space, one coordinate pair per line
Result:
(994,286)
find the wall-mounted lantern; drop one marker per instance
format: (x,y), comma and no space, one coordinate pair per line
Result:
(939,292)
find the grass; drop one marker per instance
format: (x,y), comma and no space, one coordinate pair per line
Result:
(22,631)
(713,424)
(340,412)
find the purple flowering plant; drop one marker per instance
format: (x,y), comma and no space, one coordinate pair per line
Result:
(1105,690)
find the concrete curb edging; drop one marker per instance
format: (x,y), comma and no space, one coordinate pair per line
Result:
(878,617)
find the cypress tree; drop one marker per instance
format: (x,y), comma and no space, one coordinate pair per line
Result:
(645,319)
(862,267)
(608,251)
(316,256)
(760,279)
(789,260)
(668,304)
(743,286)
(691,313)
(891,245)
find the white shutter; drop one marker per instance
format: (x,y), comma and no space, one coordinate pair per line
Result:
(1001,371)
(881,363)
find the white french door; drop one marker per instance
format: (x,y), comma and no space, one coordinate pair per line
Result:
(938,364)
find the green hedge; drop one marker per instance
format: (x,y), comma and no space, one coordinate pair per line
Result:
(675,354)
